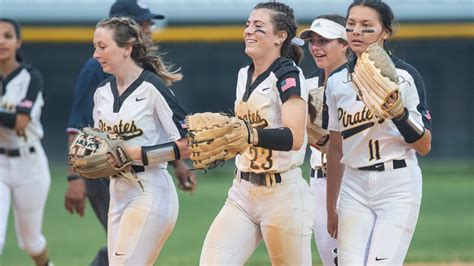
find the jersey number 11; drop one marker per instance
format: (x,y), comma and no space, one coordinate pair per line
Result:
(374,150)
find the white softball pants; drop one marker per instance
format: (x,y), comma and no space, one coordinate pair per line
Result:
(281,215)
(378,212)
(140,222)
(324,242)
(24,183)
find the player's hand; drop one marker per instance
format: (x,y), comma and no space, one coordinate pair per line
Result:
(332,223)
(75,198)
(186,177)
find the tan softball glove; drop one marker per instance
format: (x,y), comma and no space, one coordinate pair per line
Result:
(317,136)
(375,80)
(95,154)
(215,138)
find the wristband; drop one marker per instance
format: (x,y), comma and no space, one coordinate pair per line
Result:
(153,155)
(410,129)
(279,139)
(8,119)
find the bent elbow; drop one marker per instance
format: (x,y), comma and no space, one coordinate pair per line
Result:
(297,144)
(425,150)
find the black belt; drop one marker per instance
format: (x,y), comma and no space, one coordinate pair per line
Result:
(260,179)
(15,152)
(317,173)
(381,166)
(138,168)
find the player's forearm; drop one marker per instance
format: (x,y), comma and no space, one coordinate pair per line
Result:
(423,145)
(335,170)
(167,152)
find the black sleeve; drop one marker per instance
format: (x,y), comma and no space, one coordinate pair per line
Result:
(420,86)
(288,83)
(179,114)
(34,87)
(423,105)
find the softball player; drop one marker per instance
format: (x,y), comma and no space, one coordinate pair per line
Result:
(131,104)
(269,199)
(380,194)
(21,100)
(328,46)
(90,77)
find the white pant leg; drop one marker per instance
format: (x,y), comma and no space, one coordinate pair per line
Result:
(287,220)
(356,219)
(397,206)
(324,242)
(232,237)
(140,222)
(5,198)
(29,193)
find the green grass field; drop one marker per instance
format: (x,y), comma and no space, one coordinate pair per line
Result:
(444,234)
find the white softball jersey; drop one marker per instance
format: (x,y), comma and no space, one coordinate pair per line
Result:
(22,92)
(25,189)
(285,227)
(140,219)
(260,102)
(365,142)
(140,115)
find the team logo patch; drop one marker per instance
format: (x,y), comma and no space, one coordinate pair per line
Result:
(26,104)
(288,83)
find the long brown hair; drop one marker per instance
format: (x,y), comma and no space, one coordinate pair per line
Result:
(144,53)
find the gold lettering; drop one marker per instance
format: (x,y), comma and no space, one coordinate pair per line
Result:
(348,119)
(125,130)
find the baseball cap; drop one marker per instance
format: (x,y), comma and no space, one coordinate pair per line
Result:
(136,9)
(326,28)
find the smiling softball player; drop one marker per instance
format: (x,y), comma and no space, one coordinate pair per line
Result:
(378,121)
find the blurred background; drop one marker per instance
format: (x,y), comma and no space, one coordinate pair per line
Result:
(204,39)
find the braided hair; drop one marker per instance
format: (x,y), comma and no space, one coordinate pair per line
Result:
(144,53)
(283,19)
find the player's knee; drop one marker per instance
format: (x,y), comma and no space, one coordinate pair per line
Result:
(33,247)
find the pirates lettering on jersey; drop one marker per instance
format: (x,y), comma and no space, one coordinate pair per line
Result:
(360,121)
(125,130)
(255,119)
(357,118)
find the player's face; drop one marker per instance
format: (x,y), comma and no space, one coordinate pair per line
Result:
(147,27)
(259,35)
(107,53)
(327,53)
(9,42)
(364,27)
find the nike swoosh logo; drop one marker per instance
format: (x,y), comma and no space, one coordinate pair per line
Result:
(139,99)
(379,259)
(118,254)
(265,89)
